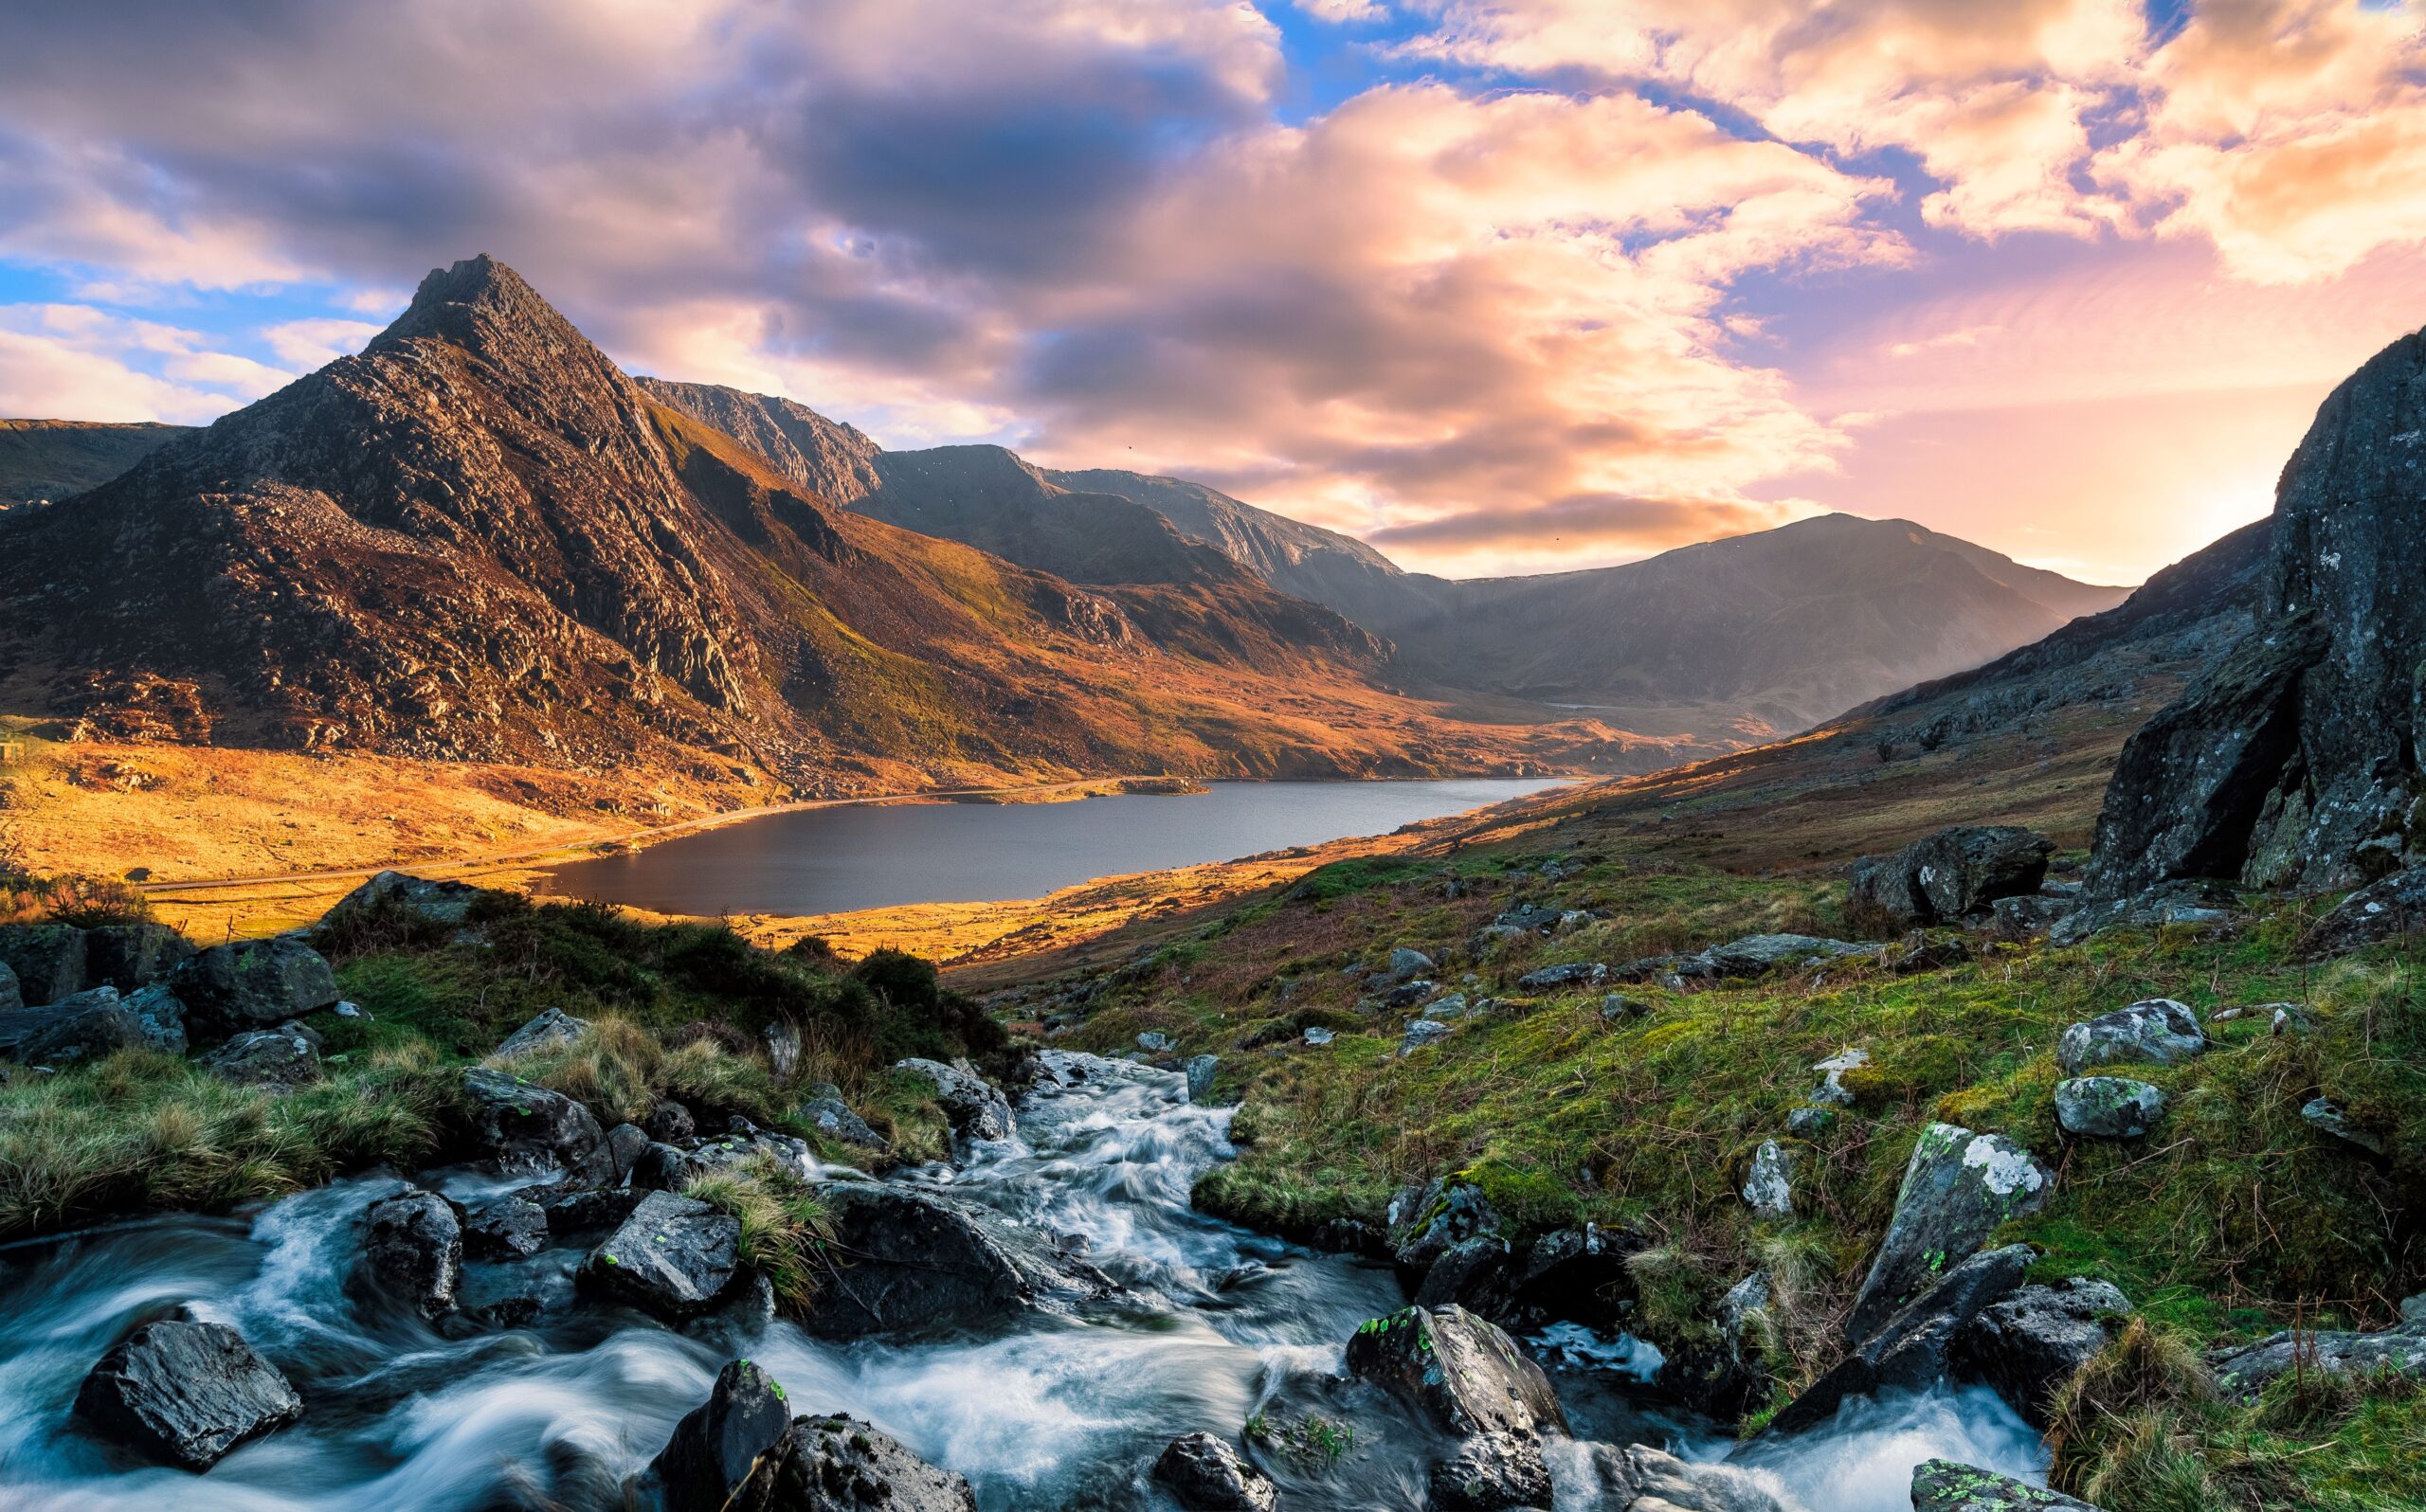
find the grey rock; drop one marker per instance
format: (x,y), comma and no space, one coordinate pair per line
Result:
(1958,1188)
(2246,1370)
(2207,904)
(717,1444)
(12,998)
(133,956)
(782,1042)
(670,1123)
(673,1256)
(2156,1031)
(1943,877)
(85,1026)
(2390,908)
(1617,1007)
(1156,1042)
(2329,1118)
(666,1168)
(45,960)
(1409,995)
(520,1125)
(1810,1123)
(2108,1108)
(625,1143)
(1723,1379)
(1405,964)
(1200,1071)
(842,1465)
(2029,1345)
(1913,1349)
(2288,1019)
(911,1260)
(1768,1185)
(1208,1475)
(1574,974)
(185,1393)
(1528,918)
(1423,1032)
(511,1227)
(1465,1377)
(416,900)
(230,988)
(1452,1006)
(160,1016)
(1316,1034)
(975,1108)
(1832,1091)
(833,1117)
(288,1056)
(2026,918)
(550,1028)
(412,1254)
(1425,1225)
(1942,1485)
(1638,1478)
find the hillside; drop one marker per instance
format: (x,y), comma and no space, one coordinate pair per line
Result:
(51,459)
(479,540)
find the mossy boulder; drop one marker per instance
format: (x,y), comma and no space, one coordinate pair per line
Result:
(1957,1189)
(1942,1485)
(2108,1108)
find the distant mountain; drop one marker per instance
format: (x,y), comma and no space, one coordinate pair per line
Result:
(43,460)
(478,539)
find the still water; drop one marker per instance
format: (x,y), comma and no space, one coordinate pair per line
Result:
(831,860)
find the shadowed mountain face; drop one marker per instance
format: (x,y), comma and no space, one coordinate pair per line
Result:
(1735,639)
(479,539)
(43,460)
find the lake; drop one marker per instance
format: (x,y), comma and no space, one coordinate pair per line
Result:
(833,860)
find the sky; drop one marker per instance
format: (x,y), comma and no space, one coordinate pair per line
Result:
(1498,285)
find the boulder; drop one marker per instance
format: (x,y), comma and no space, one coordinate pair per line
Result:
(781,1040)
(423,901)
(1617,1007)
(550,1028)
(975,1108)
(1958,1188)
(1724,1380)
(185,1393)
(12,998)
(1528,918)
(2205,905)
(1423,1032)
(250,985)
(842,1465)
(519,1127)
(2327,1117)
(1574,974)
(85,1026)
(625,1143)
(831,1116)
(719,1443)
(288,1056)
(666,1168)
(2027,918)
(1406,964)
(1154,1042)
(45,960)
(670,1123)
(160,1016)
(1466,1378)
(412,1253)
(1208,1475)
(1915,1349)
(1942,1485)
(1317,1034)
(1472,1275)
(673,1256)
(915,1260)
(130,956)
(1810,1123)
(517,1293)
(1768,1185)
(2390,908)
(1425,1225)
(2155,1030)
(1946,876)
(511,1227)
(2246,1370)
(584,1213)
(2108,1108)
(2030,1343)
(1200,1071)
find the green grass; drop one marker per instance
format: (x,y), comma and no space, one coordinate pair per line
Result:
(784,1227)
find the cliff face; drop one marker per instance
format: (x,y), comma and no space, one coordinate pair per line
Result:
(2294,762)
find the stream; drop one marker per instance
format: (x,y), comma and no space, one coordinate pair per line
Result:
(1220,1324)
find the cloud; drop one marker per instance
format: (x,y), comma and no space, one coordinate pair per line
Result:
(1592,522)
(1340,12)
(303,345)
(72,362)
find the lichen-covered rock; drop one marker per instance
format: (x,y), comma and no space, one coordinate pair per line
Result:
(288,1056)
(842,1465)
(186,1393)
(782,1042)
(1943,877)
(1942,1485)
(423,901)
(1405,964)
(1200,1071)
(833,1117)
(251,984)
(1758,954)
(2249,1369)
(974,1106)
(2108,1108)
(1425,1224)
(721,1442)
(160,1016)
(46,961)
(1768,1185)
(2155,1030)
(1725,1377)
(670,1123)
(908,1260)
(2186,902)
(1913,1350)
(2391,908)
(1958,1188)
(1423,1032)
(2029,1345)
(550,1028)
(674,1257)
(2327,1117)
(1208,1475)
(1468,1379)
(519,1125)
(412,1254)
(133,956)
(1574,974)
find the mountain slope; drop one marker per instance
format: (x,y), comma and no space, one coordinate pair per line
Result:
(478,539)
(53,459)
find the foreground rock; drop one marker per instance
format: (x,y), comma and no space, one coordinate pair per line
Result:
(412,1254)
(40,964)
(842,1465)
(1470,1380)
(2393,907)
(2029,1345)
(1948,876)
(1958,1187)
(2108,1108)
(551,1028)
(522,1126)
(1208,1475)
(252,984)
(674,1257)
(914,1261)
(975,1108)
(1942,1485)
(1913,1350)
(834,1118)
(719,1443)
(1723,1379)
(2155,1030)
(2397,1351)
(186,1393)
(86,1026)
(288,1056)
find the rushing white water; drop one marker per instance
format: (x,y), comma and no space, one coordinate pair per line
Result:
(1217,1324)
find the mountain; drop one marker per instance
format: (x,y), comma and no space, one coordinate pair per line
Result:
(42,459)
(1731,640)
(478,539)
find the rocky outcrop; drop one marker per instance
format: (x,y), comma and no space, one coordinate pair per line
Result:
(2032,1342)
(908,1260)
(1913,1349)
(1426,1224)
(1942,1485)
(521,1127)
(674,1257)
(161,1017)
(975,1108)
(842,1465)
(721,1442)
(1468,1379)
(288,1056)
(420,904)
(550,1029)
(252,984)
(2106,1107)
(1208,1475)
(1201,1071)
(85,1026)
(1950,875)
(2246,1370)
(2392,907)
(2155,1030)
(186,1393)
(412,1254)
(1958,1188)
(2294,762)
(1768,1185)
(511,1227)
(831,1116)
(1755,955)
